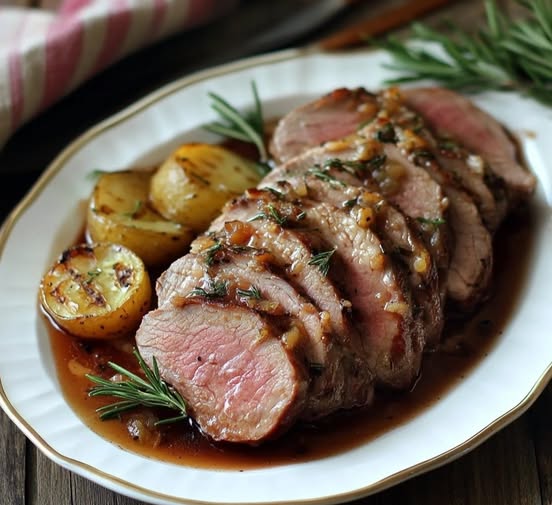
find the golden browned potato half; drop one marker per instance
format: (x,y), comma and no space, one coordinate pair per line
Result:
(119,212)
(193,184)
(97,291)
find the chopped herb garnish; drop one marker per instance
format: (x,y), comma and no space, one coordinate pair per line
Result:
(211,252)
(342,164)
(422,156)
(302,215)
(350,203)
(316,368)
(135,391)
(95,174)
(214,289)
(435,222)
(275,192)
(447,145)
(386,134)
(138,204)
(323,175)
(92,274)
(253,292)
(376,161)
(322,261)
(269,213)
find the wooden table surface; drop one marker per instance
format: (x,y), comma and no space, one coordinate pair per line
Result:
(512,467)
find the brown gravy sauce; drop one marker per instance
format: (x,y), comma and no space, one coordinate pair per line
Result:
(183,444)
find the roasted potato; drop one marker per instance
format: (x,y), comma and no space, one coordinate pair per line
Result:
(97,291)
(119,212)
(193,184)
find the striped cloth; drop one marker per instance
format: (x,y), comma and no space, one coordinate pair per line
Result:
(46,52)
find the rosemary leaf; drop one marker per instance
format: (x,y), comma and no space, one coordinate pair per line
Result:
(323,175)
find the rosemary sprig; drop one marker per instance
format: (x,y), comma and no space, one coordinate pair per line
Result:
(245,127)
(135,391)
(508,54)
(322,261)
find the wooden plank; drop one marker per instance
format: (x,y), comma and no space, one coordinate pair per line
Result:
(47,483)
(12,463)
(86,492)
(541,422)
(503,471)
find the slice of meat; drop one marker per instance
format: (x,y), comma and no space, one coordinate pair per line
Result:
(241,383)
(333,116)
(469,171)
(472,260)
(250,282)
(381,305)
(457,117)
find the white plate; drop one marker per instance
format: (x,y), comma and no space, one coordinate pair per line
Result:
(496,392)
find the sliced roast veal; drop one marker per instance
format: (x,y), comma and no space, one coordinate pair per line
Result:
(241,382)
(291,250)
(333,116)
(352,256)
(468,275)
(381,304)
(453,115)
(343,189)
(248,281)
(408,187)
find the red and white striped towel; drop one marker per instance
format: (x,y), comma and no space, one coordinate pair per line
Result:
(46,52)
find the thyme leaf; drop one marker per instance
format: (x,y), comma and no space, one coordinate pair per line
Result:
(95,174)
